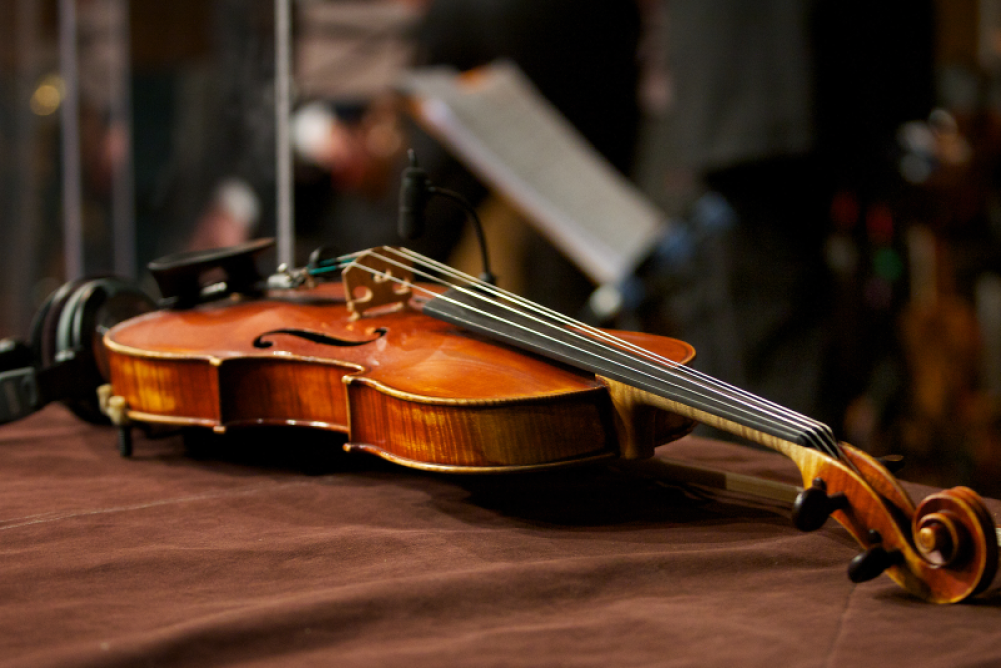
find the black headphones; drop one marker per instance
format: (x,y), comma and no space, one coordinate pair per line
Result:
(64,359)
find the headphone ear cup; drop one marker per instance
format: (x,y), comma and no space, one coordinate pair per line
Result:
(74,327)
(20,394)
(43,325)
(18,380)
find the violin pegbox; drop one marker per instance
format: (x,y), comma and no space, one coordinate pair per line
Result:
(374,282)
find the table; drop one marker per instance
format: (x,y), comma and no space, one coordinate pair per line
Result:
(272,547)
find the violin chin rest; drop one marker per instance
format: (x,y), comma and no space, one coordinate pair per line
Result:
(183,277)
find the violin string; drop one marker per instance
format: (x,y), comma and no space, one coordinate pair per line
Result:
(817,433)
(717,396)
(824,439)
(721,397)
(472,309)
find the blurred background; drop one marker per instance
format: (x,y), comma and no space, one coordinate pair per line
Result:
(829,170)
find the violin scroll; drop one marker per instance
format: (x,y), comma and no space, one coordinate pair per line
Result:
(944,550)
(954,533)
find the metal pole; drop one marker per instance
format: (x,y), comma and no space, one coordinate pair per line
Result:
(122,191)
(283,167)
(70,116)
(22,270)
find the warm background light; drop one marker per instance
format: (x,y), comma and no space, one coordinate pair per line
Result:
(48,96)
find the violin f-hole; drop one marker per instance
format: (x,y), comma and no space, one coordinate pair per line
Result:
(317,337)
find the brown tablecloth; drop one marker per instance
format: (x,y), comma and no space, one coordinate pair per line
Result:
(272,550)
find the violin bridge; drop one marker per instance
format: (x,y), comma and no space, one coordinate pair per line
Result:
(376,283)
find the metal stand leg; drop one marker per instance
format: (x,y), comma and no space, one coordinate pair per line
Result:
(125,441)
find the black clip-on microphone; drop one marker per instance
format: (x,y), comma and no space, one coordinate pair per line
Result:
(415,191)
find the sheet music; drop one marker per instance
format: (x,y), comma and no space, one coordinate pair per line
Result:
(504,131)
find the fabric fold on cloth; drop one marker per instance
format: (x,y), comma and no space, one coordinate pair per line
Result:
(249,551)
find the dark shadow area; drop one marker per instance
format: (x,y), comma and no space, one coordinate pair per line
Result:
(594,496)
(577,496)
(254,450)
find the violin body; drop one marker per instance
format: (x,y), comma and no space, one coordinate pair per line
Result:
(399,384)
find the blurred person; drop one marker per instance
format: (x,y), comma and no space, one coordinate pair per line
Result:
(775,105)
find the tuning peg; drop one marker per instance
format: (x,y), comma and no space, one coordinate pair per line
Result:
(871,563)
(813,506)
(892,463)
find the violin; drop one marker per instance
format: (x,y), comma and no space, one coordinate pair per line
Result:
(433,369)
